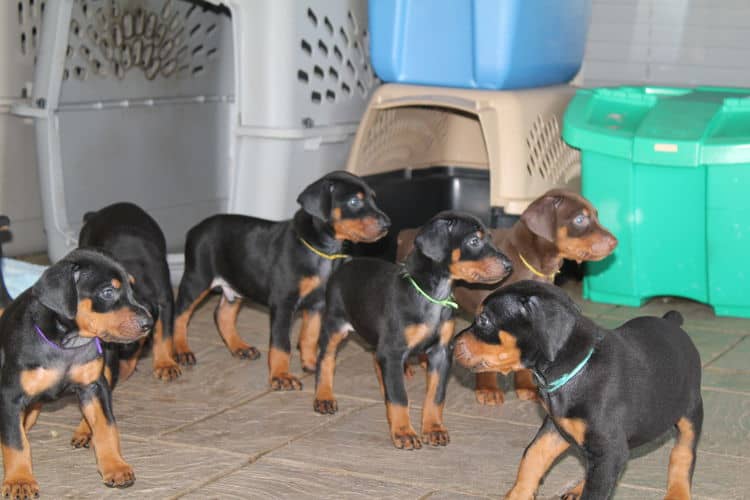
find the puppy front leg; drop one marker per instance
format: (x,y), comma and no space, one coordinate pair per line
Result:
(539,455)
(439,361)
(403,435)
(96,406)
(281,347)
(438,369)
(18,481)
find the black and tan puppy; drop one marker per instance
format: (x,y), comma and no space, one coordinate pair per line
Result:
(605,391)
(51,337)
(134,239)
(405,310)
(284,265)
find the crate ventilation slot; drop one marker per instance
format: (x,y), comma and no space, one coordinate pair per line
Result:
(340,49)
(29,26)
(168,39)
(549,157)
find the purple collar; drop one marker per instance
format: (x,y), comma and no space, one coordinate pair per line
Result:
(44,337)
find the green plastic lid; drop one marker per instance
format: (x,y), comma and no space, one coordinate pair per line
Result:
(662,125)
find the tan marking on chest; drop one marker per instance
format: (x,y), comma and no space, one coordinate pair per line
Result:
(574,427)
(414,334)
(308,284)
(86,373)
(38,380)
(446,331)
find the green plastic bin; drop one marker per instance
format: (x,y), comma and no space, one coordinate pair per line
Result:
(669,171)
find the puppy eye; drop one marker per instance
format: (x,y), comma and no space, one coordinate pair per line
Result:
(482,321)
(107,293)
(474,242)
(580,219)
(355,202)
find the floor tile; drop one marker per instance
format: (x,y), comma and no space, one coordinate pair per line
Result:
(726,380)
(726,424)
(161,470)
(285,479)
(738,358)
(481,459)
(273,420)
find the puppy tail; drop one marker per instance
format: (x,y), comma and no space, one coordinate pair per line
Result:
(675,317)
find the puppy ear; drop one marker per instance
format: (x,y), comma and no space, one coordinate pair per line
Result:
(553,325)
(433,240)
(56,289)
(541,217)
(316,199)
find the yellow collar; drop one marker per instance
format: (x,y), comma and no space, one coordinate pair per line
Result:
(533,269)
(329,256)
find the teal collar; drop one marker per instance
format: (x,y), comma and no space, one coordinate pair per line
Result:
(447,302)
(556,384)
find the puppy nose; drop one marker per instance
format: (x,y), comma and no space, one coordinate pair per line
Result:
(146,323)
(508,266)
(612,242)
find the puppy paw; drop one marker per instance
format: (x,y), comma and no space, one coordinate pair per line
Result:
(575,492)
(326,406)
(490,397)
(80,439)
(286,382)
(527,394)
(406,440)
(118,476)
(186,358)
(167,371)
(246,352)
(436,435)
(22,487)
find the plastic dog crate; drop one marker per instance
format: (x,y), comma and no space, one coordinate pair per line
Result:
(512,135)
(19,188)
(492,44)
(426,149)
(669,170)
(191,108)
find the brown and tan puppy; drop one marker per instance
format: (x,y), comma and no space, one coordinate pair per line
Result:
(558,225)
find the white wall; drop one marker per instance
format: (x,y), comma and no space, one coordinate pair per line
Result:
(679,42)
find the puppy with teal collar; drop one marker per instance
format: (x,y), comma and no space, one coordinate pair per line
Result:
(605,391)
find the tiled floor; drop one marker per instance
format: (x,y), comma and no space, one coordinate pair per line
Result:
(218,432)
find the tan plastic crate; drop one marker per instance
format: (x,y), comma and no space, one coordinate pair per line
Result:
(513,133)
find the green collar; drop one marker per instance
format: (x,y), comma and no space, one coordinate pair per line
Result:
(556,384)
(447,302)
(329,256)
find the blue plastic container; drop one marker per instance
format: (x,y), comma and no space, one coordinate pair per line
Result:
(488,44)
